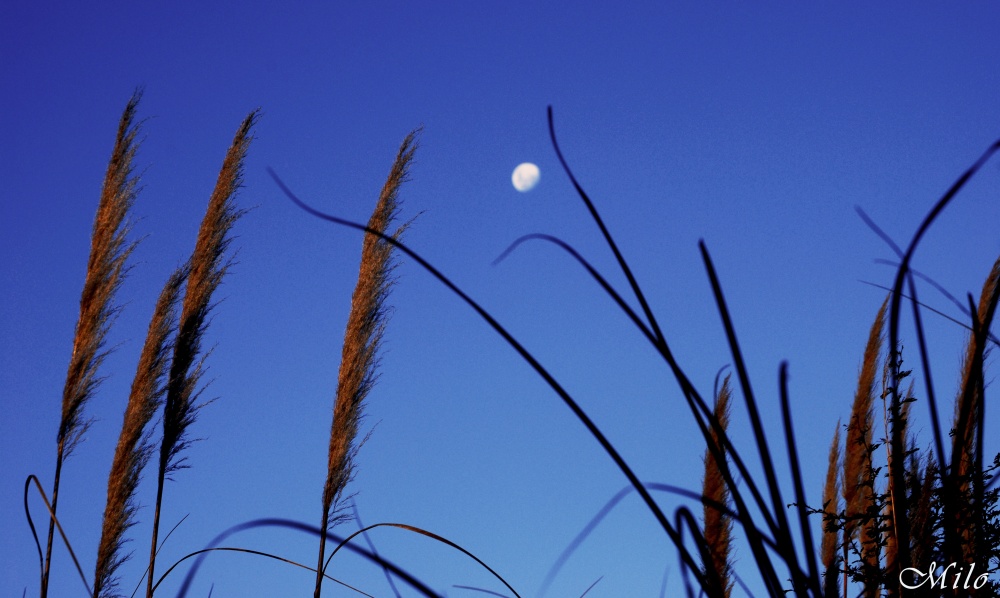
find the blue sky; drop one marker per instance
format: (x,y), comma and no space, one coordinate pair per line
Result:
(757,129)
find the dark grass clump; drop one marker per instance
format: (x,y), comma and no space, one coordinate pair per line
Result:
(782,553)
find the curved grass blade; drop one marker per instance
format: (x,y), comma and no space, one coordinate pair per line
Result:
(878,231)
(422,532)
(604,231)
(800,495)
(605,285)
(254,552)
(694,400)
(937,286)
(604,511)
(158,549)
(991,338)
(686,386)
(371,546)
(55,522)
(31,524)
(481,590)
(402,574)
(591,586)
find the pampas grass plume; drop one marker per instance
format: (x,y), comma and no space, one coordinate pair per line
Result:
(857,456)
(718,526)
(831,504)
(967,404)
(362,338)
(106,270)
(134,447)
(206,269)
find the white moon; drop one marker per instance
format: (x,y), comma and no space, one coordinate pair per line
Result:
(525,177)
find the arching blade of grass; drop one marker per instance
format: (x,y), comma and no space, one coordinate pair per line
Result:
(481,591)
(205,551)
(371,546)
(594,273)
(55,520)
(591,586)
(399,572)
(605,510)
(989,337)
(699,408)
(626,270)
(703,416)
(166,538)
(428,534)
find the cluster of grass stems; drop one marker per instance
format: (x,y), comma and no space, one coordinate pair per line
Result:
(887,507)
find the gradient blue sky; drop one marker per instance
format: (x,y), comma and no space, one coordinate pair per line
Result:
(756,128)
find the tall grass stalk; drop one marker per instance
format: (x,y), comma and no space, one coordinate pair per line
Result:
(206,269)
(106,270)
(967,403)
(134,443)
(362,339)
(965,459)
(857,493)
(831,504)
(718,526)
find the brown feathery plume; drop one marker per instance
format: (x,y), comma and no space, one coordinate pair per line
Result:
(359,355)
(206,269)
(831,504)
(967,402)
(106,270)
(134,446)
(967,407)
(857,456)
(718,526)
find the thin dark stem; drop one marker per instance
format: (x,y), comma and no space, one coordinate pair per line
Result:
(800,495)
(604,231)
(47,562)
(402,574)
(156,526)
(54,521)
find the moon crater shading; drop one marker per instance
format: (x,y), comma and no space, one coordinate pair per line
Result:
(525,177)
